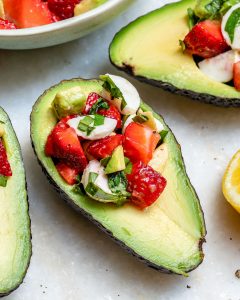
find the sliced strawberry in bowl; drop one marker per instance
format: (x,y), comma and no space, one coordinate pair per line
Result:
(205,39)
(139,142)
(28,13)
(63,9)
(104,147)
(68,174)
(145,185)
(5,168)
(5,24)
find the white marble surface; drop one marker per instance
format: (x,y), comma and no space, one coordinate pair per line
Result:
(72,259)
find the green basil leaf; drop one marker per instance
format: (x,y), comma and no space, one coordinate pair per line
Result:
(163,134)
(233,22)
(140,119)
(98,120)
(3,180)
(100,104)
(115,92)
(117,183)
(192,20)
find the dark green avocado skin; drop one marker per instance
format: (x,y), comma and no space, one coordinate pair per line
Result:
(69,201)
(201,97)
(25,272)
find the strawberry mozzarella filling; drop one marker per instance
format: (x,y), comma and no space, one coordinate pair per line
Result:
(93,149)
(215,39)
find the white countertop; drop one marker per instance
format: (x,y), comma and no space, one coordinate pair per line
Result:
(72,259)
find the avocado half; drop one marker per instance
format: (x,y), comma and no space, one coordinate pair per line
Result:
(148,48)
(15,228)
(167,236)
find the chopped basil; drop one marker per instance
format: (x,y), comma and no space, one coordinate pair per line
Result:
(182,45)
(104,161)
(92,177)
(233,22)
(163,134)
(88,123)
(127,160)
(227,4)
(192,20)
(213,8)
(79,189)
(115,92)
(101,103)
(128,169)
(3,180)
(98,120)
(117,183)
(140,119)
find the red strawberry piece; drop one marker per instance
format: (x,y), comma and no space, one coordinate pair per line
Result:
(28,13)
(5,24)
(111,112)
(236,75)
(64,144)
(139,142)
(68,174)
(64,9)
(104,147)
(91,99)
(49,148)
(205,39)
(145,185)
(5,168)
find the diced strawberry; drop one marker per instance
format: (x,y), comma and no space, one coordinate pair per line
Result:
(104,147)
(64,9)
(139,142)
(145,185)
(28,13)
(49,150)
(205,39)
(5,24)
(111,112)
(236,75)
(64,144)
(91,99)
(68,174)
(5,168)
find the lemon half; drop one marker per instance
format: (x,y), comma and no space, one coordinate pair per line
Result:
(231,182)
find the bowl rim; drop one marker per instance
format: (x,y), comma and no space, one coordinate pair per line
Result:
(87,16)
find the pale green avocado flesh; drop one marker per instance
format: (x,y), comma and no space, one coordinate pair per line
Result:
(149,49)
(15,232)
(169,234)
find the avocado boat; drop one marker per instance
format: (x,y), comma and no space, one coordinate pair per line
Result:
(168,234)
(15,232)
(144,50)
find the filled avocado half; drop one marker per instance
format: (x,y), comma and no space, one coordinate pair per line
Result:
(15,231)
(168,234)
(148,48)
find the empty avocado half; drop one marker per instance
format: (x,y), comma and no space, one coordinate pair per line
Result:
(168,235)
(148,48)
(15,231)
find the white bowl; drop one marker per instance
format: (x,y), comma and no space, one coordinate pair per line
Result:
(62,31)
